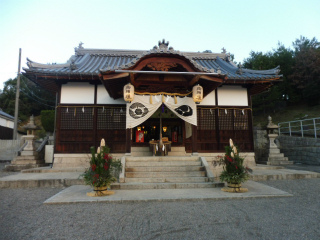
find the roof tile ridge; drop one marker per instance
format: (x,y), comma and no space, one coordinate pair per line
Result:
(32,64)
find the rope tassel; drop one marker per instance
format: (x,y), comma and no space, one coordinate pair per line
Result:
(151,99)
(175,99)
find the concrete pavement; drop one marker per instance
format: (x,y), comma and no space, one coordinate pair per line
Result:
(77,194)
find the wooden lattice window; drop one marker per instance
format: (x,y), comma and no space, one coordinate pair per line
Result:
(206,119)
(111,118)
(241,119)
(76,118)
(225,119)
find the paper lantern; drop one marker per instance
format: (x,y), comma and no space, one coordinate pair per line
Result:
(128,92)
(197,93)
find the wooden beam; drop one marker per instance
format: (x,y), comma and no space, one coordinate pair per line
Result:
(115,76)
(194,80)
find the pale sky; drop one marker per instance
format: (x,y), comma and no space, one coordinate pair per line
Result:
(48,30)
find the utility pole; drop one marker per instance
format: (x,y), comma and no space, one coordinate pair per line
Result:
(15,130)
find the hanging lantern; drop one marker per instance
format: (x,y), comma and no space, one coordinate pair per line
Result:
(197,93)
(128,92)
(164,129)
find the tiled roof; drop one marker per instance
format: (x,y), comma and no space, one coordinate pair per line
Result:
(92,61)
(6,115)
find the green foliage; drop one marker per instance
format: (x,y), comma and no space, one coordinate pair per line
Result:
(103,168)
(234,170)
(301,75)
(306,69)
(47,120)
(32,99)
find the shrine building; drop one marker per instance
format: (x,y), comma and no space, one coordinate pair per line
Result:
(196,101)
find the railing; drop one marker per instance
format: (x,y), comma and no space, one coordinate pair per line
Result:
(304,128)
(44,142)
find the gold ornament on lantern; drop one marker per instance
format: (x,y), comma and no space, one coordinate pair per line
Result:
(197,93)
(128,92)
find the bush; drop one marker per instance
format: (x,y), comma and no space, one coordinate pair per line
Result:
(47,120)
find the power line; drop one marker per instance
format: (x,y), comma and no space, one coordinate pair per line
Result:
(34,94)
(35,99)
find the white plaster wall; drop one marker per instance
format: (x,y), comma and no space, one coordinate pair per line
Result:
(10,124)
(232,96)
(77,92)
(6,123)
(209,100)
(3,122)
(103,97)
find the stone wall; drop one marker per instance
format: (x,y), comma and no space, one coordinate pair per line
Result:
(300,150)
(8,149)
(261,143)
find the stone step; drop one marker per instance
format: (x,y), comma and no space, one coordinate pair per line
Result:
(277,159)
(18,168)
(166,158)
(164,174)
(167,180)
(140,149)
(25,157)
(162,163)
(179,154)
(280,162)
(140,186)
(165,169)
(53,170)
(137,154)
(276,155)
(26,161)
(178,149)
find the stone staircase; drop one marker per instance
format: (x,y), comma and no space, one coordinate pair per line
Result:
(24,162)
(166,173)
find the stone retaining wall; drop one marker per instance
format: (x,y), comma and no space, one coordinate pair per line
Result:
(300,150)
(8,149)
(261,144)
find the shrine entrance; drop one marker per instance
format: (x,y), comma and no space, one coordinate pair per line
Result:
(173,129)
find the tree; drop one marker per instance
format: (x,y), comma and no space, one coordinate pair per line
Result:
(306,69)
(283,92)
(32,99)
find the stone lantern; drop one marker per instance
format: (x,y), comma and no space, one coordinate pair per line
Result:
(29,157)
(275,157)
(29,149)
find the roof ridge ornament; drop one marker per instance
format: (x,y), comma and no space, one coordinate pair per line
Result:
(240,70)
(76,49)
(163,45)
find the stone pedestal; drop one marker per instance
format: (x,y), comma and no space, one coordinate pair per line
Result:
(29,157)
(275,157)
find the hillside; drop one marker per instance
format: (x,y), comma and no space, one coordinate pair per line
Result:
(289,113)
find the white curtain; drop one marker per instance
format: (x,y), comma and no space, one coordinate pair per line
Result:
(141,108)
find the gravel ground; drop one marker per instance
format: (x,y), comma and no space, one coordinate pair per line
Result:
(24,216)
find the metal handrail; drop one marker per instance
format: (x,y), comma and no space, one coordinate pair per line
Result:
(44,142)
(21,148)
(301,127)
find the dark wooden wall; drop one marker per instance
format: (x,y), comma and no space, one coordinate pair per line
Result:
(217,126)
(80,127)
(6,133)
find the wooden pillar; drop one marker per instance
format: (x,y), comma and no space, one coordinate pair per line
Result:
(217,120)
(194,140)
(128,140)
(250,122)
